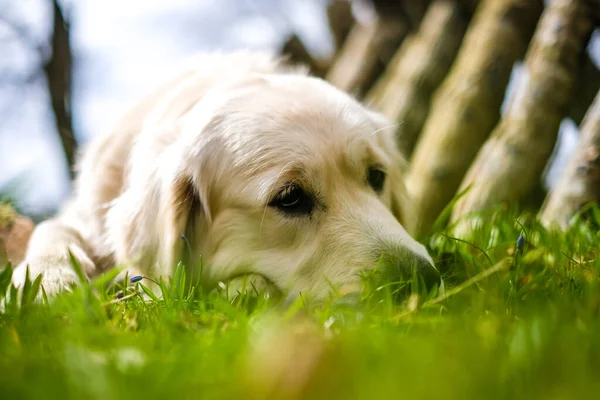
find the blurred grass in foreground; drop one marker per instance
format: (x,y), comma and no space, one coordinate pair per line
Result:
(513,323)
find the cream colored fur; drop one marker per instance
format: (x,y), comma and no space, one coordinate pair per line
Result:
(204,156)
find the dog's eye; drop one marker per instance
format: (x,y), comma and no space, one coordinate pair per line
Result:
(293,200)
(376,179)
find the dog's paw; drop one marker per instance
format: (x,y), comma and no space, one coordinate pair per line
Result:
(57,273)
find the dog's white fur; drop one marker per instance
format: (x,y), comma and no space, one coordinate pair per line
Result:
(204,156)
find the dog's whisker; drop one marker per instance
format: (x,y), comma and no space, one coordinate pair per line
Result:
(386,127)
(371,134)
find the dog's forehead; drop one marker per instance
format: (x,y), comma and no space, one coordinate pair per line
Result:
(299,120)
(298,109)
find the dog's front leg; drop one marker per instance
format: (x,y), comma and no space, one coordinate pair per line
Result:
(48,255)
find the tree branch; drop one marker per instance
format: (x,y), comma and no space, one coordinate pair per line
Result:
(58,72)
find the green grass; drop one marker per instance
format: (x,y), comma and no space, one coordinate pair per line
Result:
(512,324)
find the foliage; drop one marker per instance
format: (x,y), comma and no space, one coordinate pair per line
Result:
(515,321)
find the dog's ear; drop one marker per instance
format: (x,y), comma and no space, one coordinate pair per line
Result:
(172,168)
(155,222)
(180,210)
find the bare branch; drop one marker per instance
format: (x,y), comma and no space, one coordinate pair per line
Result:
(58,72)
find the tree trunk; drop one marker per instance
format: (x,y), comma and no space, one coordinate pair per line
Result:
(511,163)
(58,73)
(467,105)
(403,93)
(366,51)
(579,185)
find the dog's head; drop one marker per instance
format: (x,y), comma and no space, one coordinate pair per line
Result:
(282,176)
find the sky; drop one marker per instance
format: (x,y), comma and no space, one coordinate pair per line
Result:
(122,49)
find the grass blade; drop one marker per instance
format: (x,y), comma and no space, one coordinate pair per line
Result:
(149,292)
(77,268)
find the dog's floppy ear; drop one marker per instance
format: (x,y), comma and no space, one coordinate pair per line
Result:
(154,223)
(178,226)
(172,167)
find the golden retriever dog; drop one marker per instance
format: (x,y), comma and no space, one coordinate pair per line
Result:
(257,168)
